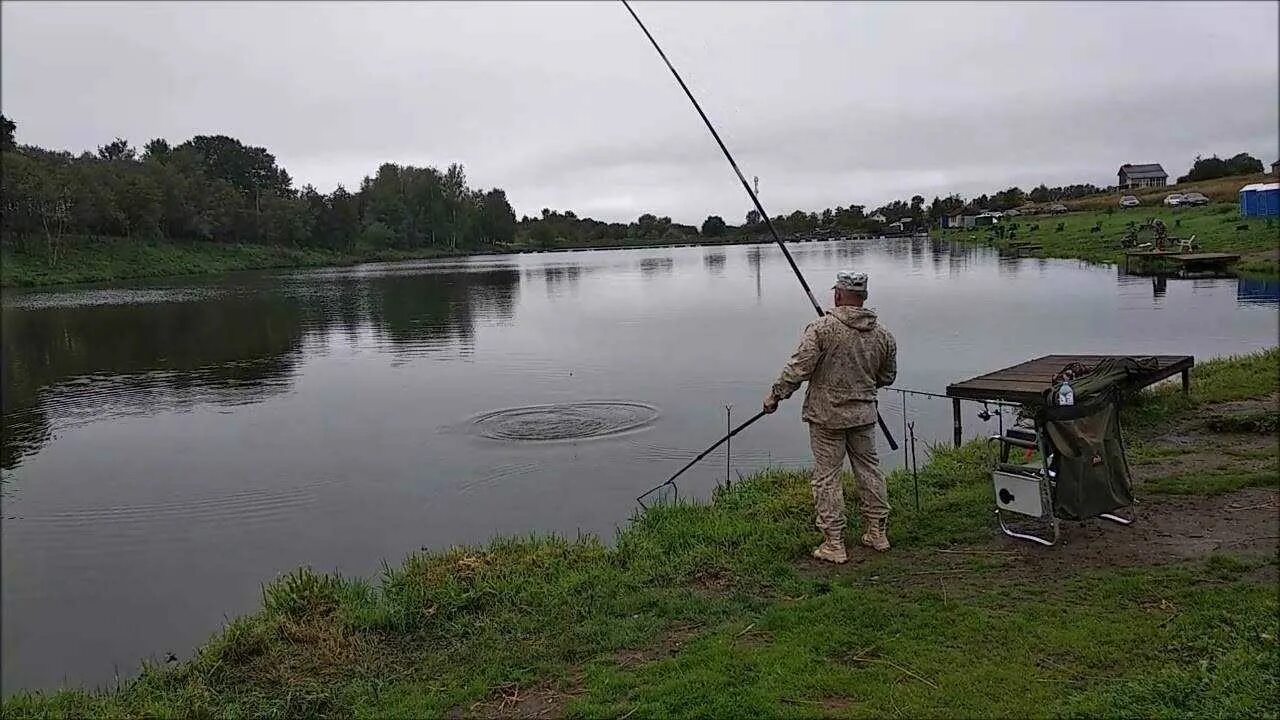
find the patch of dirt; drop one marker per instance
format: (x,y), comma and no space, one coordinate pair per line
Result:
(1198,449)
(1245,407)
(512,702)
(827,706)
(713,583)
(1166,530)
(548,700)
(833,705)
(671,644)
(1206,453)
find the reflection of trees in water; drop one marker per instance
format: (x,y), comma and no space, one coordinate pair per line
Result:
(557,278)
(956,262)
(754,255)
(937,251)
(652,267)
(65,365)
(713,261)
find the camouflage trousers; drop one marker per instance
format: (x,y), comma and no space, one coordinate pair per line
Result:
(830,445)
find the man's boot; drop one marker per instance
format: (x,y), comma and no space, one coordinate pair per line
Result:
(832,549)
(876,535)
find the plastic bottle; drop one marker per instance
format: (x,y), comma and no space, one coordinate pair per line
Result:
(1066,396)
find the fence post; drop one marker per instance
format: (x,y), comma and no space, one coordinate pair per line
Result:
(728,446)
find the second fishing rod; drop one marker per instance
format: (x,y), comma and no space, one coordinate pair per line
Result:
(888,436)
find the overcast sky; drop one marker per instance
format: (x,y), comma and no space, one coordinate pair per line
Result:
(567,106)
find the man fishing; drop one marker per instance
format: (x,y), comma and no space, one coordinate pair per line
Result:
(845,355)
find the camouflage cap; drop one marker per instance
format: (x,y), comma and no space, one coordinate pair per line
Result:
(846,280)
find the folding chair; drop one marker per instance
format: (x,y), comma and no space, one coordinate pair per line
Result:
(1081,471)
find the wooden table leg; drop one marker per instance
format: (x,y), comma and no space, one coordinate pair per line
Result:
(955,420)
(1186,381)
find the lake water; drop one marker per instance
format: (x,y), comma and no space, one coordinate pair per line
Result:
(170,446)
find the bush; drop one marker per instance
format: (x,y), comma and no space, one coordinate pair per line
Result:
(377,235)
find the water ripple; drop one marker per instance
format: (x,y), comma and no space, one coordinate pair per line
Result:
(567,421)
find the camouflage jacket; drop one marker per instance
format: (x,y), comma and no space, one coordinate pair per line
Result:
(845,356)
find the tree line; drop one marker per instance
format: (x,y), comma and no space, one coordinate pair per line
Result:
(1213,167)
(216,188)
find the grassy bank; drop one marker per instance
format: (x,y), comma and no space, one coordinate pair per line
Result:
(714,609)
(1215,228)
(120,259)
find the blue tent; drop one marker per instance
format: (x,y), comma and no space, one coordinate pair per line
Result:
(1260,200)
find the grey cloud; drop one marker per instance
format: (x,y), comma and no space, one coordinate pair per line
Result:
(565,105)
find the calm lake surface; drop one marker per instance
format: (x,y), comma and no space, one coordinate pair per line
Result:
(168,447)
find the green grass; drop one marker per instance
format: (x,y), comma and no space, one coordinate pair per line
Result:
(1227,379)
(1214,227)
(1265,422)
(1132,643)
(1213,482)
(118,259)
(766,635)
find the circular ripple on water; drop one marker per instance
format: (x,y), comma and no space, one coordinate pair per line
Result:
(568,421)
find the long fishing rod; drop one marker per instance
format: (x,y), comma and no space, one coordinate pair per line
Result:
(705,453)
(746,186)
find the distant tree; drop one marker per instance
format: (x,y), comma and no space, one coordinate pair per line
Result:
(646,225)
(1211,168)
(250,170)
(1010,198)
(543,235)
(155,149)
(713,226)
(940,207)
(497,219)
(895,210)
(753,218)
(7,129)
(799,221)
(117,149)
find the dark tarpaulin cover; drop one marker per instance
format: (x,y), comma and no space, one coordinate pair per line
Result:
(1092,473)
(1089,460)
(1110,377)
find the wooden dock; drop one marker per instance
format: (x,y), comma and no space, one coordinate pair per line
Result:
(1026,382)
(1184,260)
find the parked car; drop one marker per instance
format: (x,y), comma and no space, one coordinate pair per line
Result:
(1129,201)
(1057,209)
(1194,198)
(1173,199)
(1011,213)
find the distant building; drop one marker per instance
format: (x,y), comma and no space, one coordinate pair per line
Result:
(983,219)
(1140,176)
(878,218)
